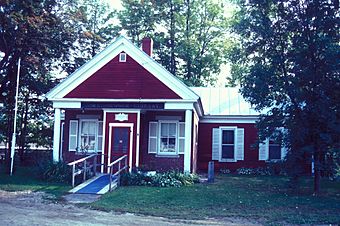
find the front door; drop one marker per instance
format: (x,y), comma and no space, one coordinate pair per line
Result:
(120,140)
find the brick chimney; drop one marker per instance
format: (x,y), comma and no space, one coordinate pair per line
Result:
(147,46)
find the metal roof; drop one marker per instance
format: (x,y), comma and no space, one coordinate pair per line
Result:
(223,101)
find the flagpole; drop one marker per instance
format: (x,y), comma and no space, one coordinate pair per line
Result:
(15,119)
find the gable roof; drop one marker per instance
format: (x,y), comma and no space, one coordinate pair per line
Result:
(121,44)
(223,101)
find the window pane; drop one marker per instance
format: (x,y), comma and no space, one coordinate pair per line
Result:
(88,127)
(164,129)
(164,144)
(275,151)
(87,142)
(228,137)
(227,151)
(172,129)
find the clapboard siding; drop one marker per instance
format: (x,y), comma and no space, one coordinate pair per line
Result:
(205,147)
(122,80)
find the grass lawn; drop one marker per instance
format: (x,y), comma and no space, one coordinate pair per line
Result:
(24,179)
(266,199)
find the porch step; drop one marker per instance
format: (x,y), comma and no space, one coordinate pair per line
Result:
(98,185)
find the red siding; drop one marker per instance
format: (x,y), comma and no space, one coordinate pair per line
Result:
(151,161)
(123,80)
(251,155)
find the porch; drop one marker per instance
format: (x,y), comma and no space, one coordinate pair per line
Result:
(153,139)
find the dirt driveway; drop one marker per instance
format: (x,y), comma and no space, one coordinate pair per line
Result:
(31,208)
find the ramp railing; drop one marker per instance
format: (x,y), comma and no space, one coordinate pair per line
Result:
(84,168)
(120,168)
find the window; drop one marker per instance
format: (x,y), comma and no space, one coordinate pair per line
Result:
(228,144)
(274,150)
(271,150)
(168,138)
(122,57)
(86,135)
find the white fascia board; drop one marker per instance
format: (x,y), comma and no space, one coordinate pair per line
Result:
(122,100)
(178,106)
(67,104)
(229,119)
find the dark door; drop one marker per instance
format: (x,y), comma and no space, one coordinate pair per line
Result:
(120,142)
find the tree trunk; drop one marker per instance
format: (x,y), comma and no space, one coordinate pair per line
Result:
(172,38)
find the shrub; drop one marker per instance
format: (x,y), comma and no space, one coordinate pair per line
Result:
(225,171)
(166,179)
(253,171)
(54,172)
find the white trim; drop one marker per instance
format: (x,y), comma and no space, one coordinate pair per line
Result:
(61,141)
(103,152)
(137,138)
(56,135)
(76,100)
(130,125)
(178,106)
(187,145)
(229,119)
(121,58)
(67,104)
(119,45)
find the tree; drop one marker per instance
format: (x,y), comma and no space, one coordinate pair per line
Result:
(288,64)
(189,35)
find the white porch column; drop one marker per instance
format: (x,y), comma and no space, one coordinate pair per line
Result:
(56,135)
(187,146)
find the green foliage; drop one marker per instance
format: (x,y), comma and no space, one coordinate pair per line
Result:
(189,36)
(166,179)
(50,171)
(287,62)
(253,171)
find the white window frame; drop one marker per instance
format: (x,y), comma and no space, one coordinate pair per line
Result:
(96,133)
(159,138)
(228,128)
(122,57)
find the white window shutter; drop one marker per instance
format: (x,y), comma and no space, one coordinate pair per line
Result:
(264,150)
(283,152)
(216,144)
(153,138)
(100,136)
(73,135)
(181,137)
(240,144)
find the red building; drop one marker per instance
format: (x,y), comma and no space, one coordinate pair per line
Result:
(122,102)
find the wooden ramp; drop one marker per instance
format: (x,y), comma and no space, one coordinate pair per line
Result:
(97,185)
